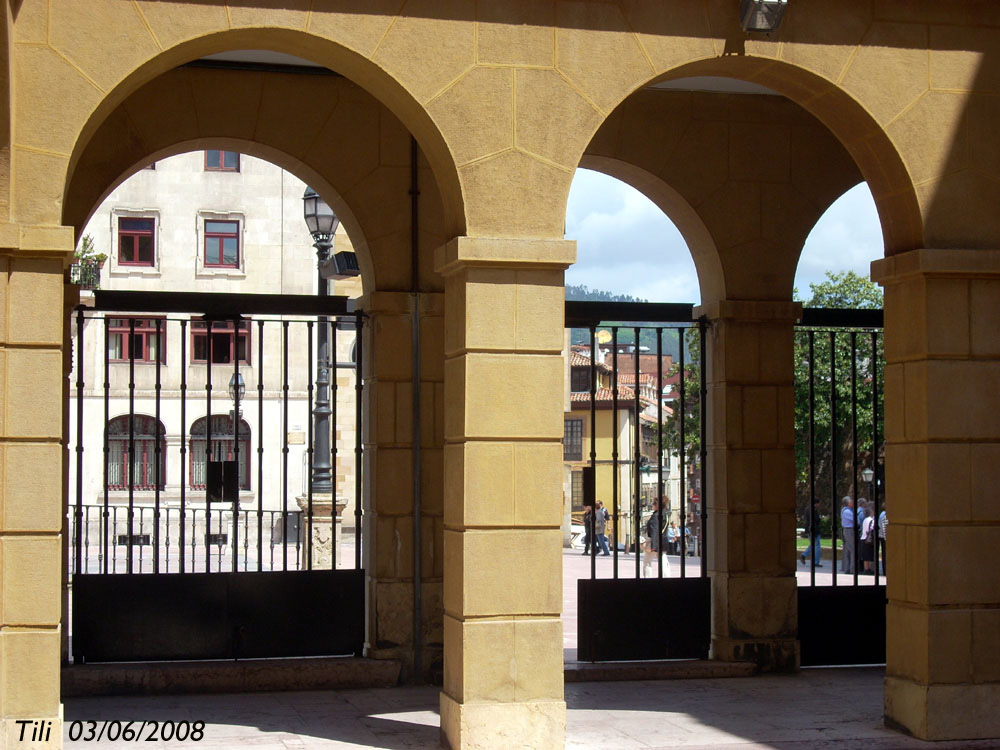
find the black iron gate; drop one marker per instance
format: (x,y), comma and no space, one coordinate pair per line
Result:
(839,460)
(639,387)
(203,524)
(662,610)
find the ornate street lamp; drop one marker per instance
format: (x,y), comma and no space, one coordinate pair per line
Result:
(322,223)
(237,388)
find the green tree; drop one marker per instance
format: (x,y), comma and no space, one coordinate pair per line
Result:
(842,357)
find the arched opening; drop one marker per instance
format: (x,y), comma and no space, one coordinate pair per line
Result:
(352,150)
(136,453)
(750,168)
(225,446)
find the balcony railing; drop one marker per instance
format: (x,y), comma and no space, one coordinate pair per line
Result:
(86,273)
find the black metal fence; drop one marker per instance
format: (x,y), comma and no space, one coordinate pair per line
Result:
(199,513)
(148,370)
(839,413)
(639,385)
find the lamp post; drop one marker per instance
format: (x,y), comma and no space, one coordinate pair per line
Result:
(869,476)
(322,223)
(237,388)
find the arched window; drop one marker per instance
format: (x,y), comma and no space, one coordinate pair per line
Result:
(143,471)
(223,448)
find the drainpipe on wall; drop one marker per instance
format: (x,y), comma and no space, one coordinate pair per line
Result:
(415,345)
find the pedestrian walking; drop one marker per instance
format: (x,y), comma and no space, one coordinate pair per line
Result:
(848,562)
(655,545)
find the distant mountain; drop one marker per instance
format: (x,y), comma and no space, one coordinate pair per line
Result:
(586,294)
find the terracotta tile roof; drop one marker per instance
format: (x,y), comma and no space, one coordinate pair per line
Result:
(578,360)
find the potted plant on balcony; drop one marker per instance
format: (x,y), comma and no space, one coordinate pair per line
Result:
(87,264)
(86,253)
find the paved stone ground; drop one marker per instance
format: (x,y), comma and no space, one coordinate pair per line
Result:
(828,709)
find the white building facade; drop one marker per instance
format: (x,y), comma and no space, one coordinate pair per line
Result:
(220,222)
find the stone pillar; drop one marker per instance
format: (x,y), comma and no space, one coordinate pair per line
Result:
(388,466)
(942,412)
(323,527)
(32,500)
(751,482)
(503,668)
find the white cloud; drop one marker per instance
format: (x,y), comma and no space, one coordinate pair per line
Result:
(848,237)
(626,245)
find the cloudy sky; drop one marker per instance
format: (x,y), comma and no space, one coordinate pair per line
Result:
(610,220)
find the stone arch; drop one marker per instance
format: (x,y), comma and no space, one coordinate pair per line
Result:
(868,144)
(755,197)
(711,275)
(349,147)
(152,73)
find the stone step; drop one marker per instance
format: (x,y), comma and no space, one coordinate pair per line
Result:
(252,675)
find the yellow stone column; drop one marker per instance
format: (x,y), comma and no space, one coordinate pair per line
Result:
(388,467)
(31,491)
(503,668)
(751,482)
(942,414)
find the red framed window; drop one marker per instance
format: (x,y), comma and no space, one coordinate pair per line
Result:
(136,245)
(223,448)
(227,342)
(222,161)
(140,341)
(573,440)
(222,244)
(137,468)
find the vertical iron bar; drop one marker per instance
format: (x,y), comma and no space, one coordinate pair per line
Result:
(131,542)
(184,450)
(683,457)
(614,444)
(875,448)
(637,478)
(157,456)
(703,447)
(334,371)
(210,324)
(835,509)
(114,547)
(284,449)
(260,447)
(236,438)
(246,531)
(358,447)
(659,454)
(593,451)
(130,462)
(107,418)
(166,540)
(86,541)
(854,450)
(310,448)
(79,439)
(813,520)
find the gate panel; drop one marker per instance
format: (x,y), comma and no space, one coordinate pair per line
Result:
(839,448)
(217,615)
(628,619)
(842,625)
